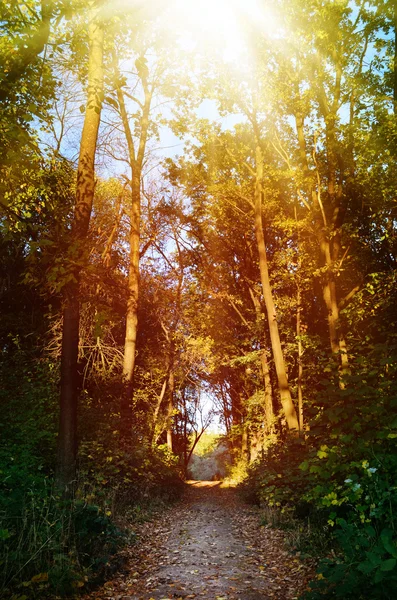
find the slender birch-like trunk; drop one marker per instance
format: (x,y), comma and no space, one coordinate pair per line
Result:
(85,187)
(136,158)
(269,412)
(329,249)
(170,408)
(283,386)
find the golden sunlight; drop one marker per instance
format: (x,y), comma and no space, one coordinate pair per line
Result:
(219,23)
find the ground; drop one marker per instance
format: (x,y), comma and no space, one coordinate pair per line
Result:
(210,546)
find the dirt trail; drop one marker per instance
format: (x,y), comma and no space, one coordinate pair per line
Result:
(209,546)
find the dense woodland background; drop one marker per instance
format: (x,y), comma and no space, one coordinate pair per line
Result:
(247,275)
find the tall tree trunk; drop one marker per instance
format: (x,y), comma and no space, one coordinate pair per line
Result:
(285,394)
(299,328)
(136,157)
(300,353)
(244,442)
(328,249)
(269,412)
(131,328)
(330,233)
(85,187)
(170,410)
(160,399)
(395,56)
(255,445)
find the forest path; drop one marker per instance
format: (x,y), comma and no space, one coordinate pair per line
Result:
(209,546)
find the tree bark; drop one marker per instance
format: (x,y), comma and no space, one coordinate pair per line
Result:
(255,445)
(136,158)
(328,249)
(300,353)
(299,328)
(395,57)
(157,409)
(131,327)
(244,442)
(170,410)
(269,412)
(283,386)
(85,187)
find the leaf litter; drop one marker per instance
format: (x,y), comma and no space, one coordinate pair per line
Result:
(209,546)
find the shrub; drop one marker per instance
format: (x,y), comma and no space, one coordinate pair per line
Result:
(343,478)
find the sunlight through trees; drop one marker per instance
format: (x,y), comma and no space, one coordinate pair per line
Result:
(245,277)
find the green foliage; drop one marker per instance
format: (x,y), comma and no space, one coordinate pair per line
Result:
(72,543)
(49,547)
(343,477)
(207,443)
(276,480)
(367,568)
(201,310)
(118,476)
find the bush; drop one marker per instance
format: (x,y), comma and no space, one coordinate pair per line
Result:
(342,477)
(49,545)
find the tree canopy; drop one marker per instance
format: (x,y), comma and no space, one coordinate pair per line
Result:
(198,226)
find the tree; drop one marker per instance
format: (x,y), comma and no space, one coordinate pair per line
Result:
(148,78)
(85,187)
(235,156)
(135,158)
(32,25)
(330,74)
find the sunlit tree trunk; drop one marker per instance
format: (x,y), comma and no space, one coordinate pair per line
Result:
(167,390)
(157,408)
(329,249)
(300,353)
(170,331)
(395,56)
(67,439)
(299,329)
(283,386)
(244,442)
(131,327)
(170,408)
(136,157)
(255,445)
(269,412)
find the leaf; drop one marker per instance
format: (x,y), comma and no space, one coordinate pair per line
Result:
(379,576)
(366,567)
(111,101)
(4,534)
(393,424)
(388,565)
(40,577)
(386,537)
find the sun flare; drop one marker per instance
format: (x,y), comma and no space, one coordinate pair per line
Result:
(219,24)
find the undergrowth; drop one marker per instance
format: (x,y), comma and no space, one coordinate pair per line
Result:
(335,492)
(51,547)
